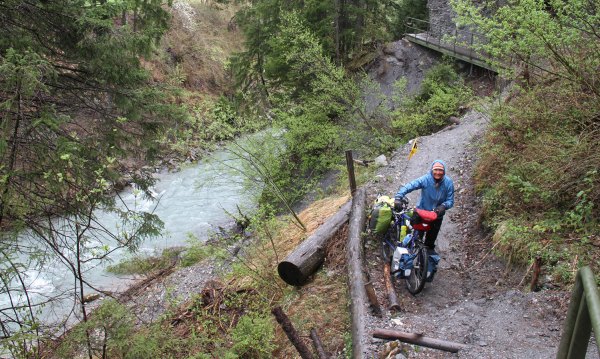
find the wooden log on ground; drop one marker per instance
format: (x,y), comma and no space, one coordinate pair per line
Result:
(317,343)
(291,333)
(308,256)
(356,276)
(389,287)
(418,339)
(373,299)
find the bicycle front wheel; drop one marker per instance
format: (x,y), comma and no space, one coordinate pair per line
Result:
(416,280)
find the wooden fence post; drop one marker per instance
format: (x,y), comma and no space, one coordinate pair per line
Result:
(350,166)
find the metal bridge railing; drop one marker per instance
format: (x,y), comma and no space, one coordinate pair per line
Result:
(451,41)
(458,42)
(583,316)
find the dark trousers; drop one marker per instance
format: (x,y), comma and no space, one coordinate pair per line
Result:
(432,233)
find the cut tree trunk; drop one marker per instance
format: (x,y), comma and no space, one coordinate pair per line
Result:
(418,339)
(356,275)
(389,287)
(373,299)
(308,256)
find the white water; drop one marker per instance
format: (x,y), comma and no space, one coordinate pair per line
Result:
(193,201)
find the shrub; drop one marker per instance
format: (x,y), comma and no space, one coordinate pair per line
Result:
(112,334)
(441,95)
(253,337)
(143,265)
(538,174)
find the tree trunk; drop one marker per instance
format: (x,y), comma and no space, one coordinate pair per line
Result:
(389,287)
(336,25)
(418,339)
(356,276)
(308,256)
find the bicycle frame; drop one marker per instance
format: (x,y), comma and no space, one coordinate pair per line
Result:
(401,218)
(415,247)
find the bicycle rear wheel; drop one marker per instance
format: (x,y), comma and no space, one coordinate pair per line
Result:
(416,280)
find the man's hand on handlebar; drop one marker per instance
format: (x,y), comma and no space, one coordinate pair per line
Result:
(440,210)
(399,203)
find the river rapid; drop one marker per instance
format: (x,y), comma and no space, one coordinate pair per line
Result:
(192,202)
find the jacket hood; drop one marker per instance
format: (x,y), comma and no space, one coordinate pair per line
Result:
(438,161)
(431,168)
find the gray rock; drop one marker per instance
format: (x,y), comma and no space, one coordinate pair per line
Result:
(381,160)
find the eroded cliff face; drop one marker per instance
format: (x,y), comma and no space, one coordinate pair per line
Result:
(441,18)
(403,59)
(399,59)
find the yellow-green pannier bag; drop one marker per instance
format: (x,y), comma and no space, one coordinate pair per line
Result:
(381,215)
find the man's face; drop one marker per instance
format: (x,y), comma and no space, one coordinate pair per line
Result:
(438,174)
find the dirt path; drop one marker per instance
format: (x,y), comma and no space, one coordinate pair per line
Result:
(474,299)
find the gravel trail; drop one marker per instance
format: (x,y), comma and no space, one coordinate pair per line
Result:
(474,299)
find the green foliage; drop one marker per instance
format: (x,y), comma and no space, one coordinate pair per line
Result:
(197,251)
(416,9)
(74,99)
(210,122)
(253,336)
(312,103)
(549,38)
(441,95)
(113,334)
(113,328)
(144,265)
(539,179)
(582,213)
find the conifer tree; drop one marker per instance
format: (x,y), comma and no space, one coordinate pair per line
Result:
(74,100)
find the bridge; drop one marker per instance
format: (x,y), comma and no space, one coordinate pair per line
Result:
(455,45)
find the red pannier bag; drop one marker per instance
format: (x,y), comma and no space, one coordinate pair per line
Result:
(423,219)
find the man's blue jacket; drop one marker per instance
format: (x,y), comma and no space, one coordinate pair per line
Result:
(432,194)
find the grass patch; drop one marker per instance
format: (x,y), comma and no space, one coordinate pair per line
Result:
(198,251)
(146,264)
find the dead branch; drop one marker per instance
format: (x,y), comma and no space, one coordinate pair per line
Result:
(291,333)
(317,343)
(418,339)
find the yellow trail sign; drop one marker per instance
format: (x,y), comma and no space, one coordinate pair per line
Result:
(413,149)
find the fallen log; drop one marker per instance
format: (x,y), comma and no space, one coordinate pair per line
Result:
(291,333)
(418,339)
(308,256)
(389,287)
(356,276)
(373,299)
(317,343)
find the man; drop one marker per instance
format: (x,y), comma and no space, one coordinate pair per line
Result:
(437,194)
